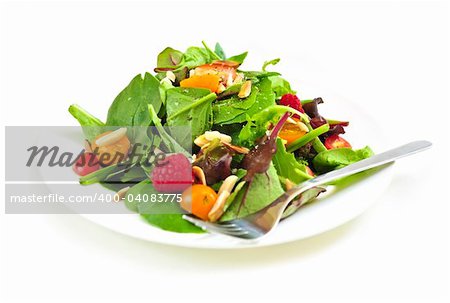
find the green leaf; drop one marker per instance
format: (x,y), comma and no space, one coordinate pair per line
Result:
(92,126)
(169,58)
(271,62)
(160,214)
(189,107)
(313,134)
(235,110)
(263,190)
(257,124)
(281,86)
(130,107)
(170,142)
(339,157)
(196,56)
(219,51)
(305,198)
(172,222)
(238,58)
(287,166)
(211,53)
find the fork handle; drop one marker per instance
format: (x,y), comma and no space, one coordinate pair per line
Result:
(277,207)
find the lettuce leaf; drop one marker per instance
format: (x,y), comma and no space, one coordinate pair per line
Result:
(263,190)
(287,166)
(337,158)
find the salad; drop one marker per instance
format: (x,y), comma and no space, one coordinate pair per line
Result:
(231,140)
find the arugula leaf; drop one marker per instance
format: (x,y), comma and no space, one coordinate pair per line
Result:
(257,75)
(270,62)
(339,157)
(219,51)
(92,125)
(257,125)
(130,107)
(190,107)
(238,58)
(263,190)
(287,166)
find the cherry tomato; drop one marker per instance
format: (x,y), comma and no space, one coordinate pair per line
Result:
(198,200)
(291,132)
(335,141)
(86,164)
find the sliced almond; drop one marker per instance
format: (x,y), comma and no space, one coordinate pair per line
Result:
(303,127)
(120,195)
(239,78)
(224,192)
(245,90)
(238,149)
(211,135)
(217,210)
(112,137)
(221,88)
(228,184)
(171,76)
(200,141)
(199,174)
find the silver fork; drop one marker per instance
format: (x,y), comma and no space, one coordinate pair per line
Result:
(262,222)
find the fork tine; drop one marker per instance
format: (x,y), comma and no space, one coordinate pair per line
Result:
(235,231)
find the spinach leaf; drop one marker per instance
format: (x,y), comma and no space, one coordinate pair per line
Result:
(238,58)
(130,108)
(228,110)
(263,190)
(92,125)
(161,215)
(211,53)
(168,141)
(337,158)
(235,110)
(219,51)
(172,222)
(190,107)
(169,58)
(196,56)
(287,166)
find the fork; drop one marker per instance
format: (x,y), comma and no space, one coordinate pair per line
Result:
(265,220)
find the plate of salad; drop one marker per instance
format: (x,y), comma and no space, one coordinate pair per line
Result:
(232,140)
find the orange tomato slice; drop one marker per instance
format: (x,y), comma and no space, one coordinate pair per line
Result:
(207,81)
(291,132)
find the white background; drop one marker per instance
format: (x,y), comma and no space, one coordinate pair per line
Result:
(391,58)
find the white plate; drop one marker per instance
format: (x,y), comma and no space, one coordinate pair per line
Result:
(330,211)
